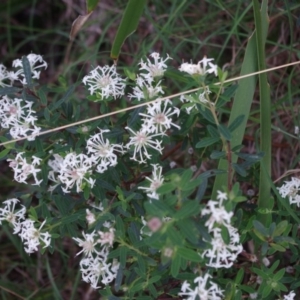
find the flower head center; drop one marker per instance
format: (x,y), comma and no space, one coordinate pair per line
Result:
(160,118)
(104,81)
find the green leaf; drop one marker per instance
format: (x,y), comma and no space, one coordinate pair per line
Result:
(277,247)
(236,123)
(120,226)
(280,228)
(224,132)
(27,70)
(217,154)
(188,208)
(239,169)
(266,291)
(4,152)
(175,266)
(207,141)
(65,97)
(188,254)
(186,177)
(91,5)
(129,23)
(188,230)
(42,96)
(9,91)
(225,235)
(279,275)
(166,188)
(123,255)
(191,185)
(240,276)
(260,228)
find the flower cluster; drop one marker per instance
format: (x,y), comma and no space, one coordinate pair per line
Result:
(36,63)
(103,151)
(291,189)
(156,181)
(290,296)
(201,291)
(25,228)
(94,266)
(106,82)
(18,115)
(148,85)
(203,67)
(74,169)
(5,77)
(221,254)
(23,168)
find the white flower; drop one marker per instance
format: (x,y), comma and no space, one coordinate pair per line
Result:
(106,81)
(218,214)
(90,217)
(197,98)
(88,244)
(23,168)
(291,189)
(75,170)
(32,237)
(9,214)
(203,67)
(158,119)
(36,63)
(106,237)
(141,140)
(222,255)
(103,151)
(5,77)
(155,69)
(201,291)
(156,181)
(146,90)
(290,296)
(19,117)
(95,269)
(253,296)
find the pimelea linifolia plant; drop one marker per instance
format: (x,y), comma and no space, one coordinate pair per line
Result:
(142,218)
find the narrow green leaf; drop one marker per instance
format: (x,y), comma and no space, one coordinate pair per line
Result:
(240,276)
(224,132)
(279,274)
(260,227)
(239,169)
(207,141)
(188,230)
(188,254)
(236,123)
(129,23)
(280,228)
(217,154)
(9,91)
(266,291)
(175,266)
(186,177)
(277,247)
(4,152)
(119,279)
(189,208)
(166,188)
(123,255)
(27,70)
